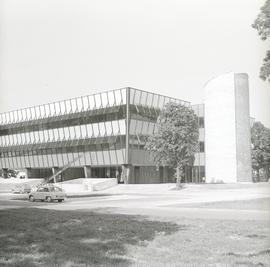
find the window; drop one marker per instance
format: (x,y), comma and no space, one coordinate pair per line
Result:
(201,122)
(57,189)
(97,98)
(201,146)
(40,190)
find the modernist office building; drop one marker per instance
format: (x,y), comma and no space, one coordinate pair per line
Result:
(103,135)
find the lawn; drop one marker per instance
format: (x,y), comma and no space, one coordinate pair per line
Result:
(208,243)
(250,204)
(36,237)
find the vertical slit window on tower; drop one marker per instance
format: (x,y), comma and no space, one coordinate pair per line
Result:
(201,122)
(201,146)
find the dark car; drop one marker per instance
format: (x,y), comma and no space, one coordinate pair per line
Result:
(48,193)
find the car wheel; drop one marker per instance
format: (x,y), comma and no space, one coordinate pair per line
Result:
(31,198)
(48,199)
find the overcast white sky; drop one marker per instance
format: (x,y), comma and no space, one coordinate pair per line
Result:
(52,49)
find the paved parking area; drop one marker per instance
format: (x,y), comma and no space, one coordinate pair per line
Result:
(161,200)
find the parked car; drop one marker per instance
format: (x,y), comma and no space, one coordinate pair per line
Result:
(22,189)
(48,193)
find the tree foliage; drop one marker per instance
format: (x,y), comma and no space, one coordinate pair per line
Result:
(262,25)
(175,139)
(8,173)
(260,141)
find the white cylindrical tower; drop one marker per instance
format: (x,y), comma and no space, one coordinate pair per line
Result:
(227,129)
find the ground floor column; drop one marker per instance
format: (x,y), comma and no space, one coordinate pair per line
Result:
(126,174)
(56,178)
(87,171)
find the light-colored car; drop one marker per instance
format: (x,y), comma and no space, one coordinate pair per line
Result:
(48,193)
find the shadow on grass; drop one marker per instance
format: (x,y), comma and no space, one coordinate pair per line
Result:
(255,236)
(249,255)
(249,263)
(36,237)
(92,195)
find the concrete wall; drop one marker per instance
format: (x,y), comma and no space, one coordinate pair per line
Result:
(220,134)
(227,131)
(243,145)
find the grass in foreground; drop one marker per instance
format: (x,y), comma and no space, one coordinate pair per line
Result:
(209,243)
(35,237)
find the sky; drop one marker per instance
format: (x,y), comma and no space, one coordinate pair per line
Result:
(58,49)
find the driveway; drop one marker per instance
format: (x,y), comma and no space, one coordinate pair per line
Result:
(162,201)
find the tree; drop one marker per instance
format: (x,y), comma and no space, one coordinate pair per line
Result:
(260,153)
(7,173)
(175,139)
(262,25)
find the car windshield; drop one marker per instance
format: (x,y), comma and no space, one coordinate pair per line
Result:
(56,189)
(40,190)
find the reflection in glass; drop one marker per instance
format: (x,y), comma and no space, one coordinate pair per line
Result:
(85,103)
(47,110)
(104,99)
(111,98)
(57,108)
(97,99)
(92,104)
(79,104)
(73,105)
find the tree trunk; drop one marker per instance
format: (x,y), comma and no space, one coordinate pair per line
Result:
(258,175)
(179,170)
(266,173)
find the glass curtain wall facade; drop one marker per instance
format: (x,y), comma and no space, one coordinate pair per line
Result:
(104,134)
(144,110)
(196,173)
(91,128)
